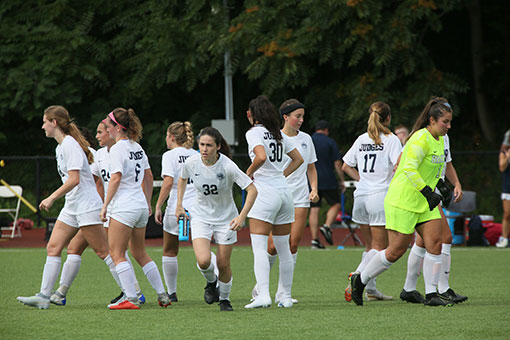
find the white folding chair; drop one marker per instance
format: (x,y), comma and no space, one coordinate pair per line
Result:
(15,230)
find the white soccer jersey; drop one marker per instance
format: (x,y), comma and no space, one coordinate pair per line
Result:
(214,203)
(447,153)
(128,158)
(83,197)
(303,142)
(271,172)
(101,167)
(171,165)
(375,163)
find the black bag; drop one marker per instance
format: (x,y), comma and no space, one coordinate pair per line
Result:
(476,232)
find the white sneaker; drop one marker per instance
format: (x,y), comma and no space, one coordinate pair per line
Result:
(375,295)
(502,242)
(258,302)
(278,299)
(285,303)
(119,301)
(35,301)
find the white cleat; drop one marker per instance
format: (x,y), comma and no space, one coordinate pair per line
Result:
(277,299)
(286,303)
(118,302)
(502,242)
(259,302)
(35,301)
(377,296)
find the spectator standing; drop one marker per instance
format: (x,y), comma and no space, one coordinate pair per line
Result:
(504,167)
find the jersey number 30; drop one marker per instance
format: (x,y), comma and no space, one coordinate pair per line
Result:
(276,152)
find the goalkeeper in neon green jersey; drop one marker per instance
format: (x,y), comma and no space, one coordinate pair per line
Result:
(411,203)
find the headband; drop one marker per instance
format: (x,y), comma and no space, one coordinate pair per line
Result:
(288,109)
(112,117)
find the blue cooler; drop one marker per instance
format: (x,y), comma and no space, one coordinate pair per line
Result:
(450,217)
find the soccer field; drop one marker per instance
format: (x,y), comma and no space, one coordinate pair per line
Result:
(319,282)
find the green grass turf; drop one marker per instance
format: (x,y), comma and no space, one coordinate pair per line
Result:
(319,282)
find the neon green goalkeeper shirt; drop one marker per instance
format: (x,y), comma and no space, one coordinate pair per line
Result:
(421,164)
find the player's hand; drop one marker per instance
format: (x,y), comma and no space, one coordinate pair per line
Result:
(158,216)
(342,187)
(237,223)
(314,196)
(102,214)
(432,198)
(457,193)
(178,212)
(46,203)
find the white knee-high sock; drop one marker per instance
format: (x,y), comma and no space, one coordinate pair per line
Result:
(371,284)
(208,273)
(414,267)
(137,285)
(127,278)
(113,270)
(170,270)
(444,276)
(376,266)
(215,264)
(50,274)
(260,263)
(69,271)
(366,259)
(225,289)
(362,258)
(282,246)
(431,269)
(294,258)
(152,273)
(272,260)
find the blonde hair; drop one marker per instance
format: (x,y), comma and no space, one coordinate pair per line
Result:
(379,112)
(182,133)
(129,121)
(67,125)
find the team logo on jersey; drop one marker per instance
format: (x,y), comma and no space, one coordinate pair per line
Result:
(304,146)
(220,176)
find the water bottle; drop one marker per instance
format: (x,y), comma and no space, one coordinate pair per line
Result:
(184,227)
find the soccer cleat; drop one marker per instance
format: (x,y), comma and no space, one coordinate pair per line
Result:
(259,302)
(119,301)
(225,306)
(58,299)
(433,299)
(326,232)
(278,298)
(114,300)
(502,242)
(357,288)
(126,304)
(413,296)
(376,295)
(286,303)
(38,301)
(211,292)
(451,295)
(141,297)
(164,300)
(173,297)
(348,290)
(316,244)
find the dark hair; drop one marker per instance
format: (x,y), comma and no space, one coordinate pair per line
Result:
(218,139)
(129,120)
(88,136)
(289,106)
(321,125)
(263,112)
(379,112)
(67,125)
(435,108)
(182,133)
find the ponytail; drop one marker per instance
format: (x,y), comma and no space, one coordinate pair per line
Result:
(183,133)
(263,112)
(435,108)
(68,127)
(129,122)
(379,112)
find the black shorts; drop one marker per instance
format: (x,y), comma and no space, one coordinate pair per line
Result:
(332,196)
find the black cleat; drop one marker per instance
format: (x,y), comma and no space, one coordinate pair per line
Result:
(451,295)
(211,292)
(114,300)
(326,232)
(173,297)
(225,306)
(357,288)
(316,244)
(413,296)
(433,299)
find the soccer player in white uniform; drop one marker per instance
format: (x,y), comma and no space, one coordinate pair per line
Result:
(82,202)
(179,139)
(417,254)
(375,154)
(273,211)
(292,111)
(129,192)
(213,174)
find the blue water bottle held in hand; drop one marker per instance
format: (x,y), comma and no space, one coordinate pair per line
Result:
(184,227)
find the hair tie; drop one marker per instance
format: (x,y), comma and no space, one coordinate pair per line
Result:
(112,117)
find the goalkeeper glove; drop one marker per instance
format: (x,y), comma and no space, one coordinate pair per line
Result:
(446,193)
(433,199)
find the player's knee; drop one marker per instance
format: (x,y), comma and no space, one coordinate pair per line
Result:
(53,249)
